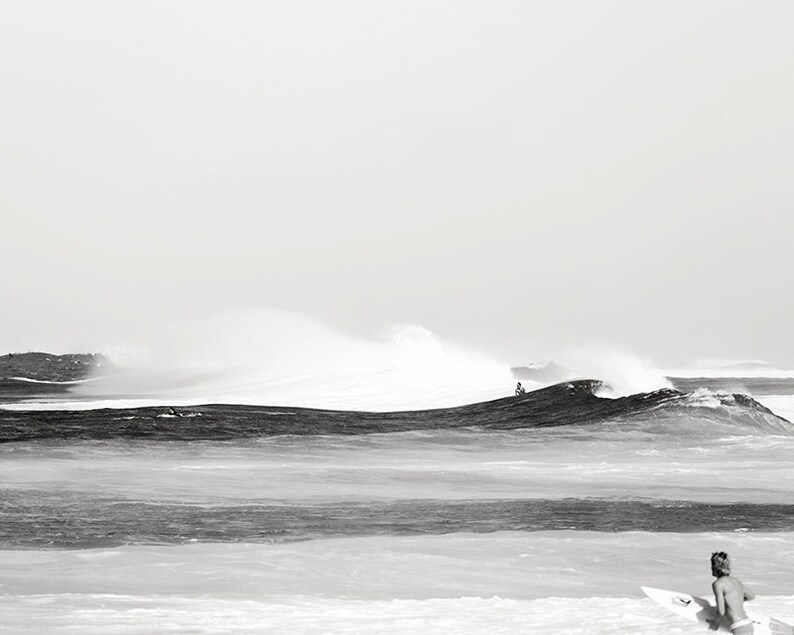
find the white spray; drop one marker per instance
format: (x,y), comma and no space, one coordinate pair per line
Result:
(271,357)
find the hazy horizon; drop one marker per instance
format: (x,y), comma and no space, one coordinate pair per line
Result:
(524,179)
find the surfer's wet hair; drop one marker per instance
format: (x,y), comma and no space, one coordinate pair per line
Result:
(720,563)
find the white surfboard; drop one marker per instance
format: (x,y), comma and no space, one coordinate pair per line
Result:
(697,609)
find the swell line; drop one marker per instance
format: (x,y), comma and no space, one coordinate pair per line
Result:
(41,520)
(566,404)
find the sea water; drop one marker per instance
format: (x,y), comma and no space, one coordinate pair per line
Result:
(536,530)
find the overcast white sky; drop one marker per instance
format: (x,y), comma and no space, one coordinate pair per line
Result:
(521,176)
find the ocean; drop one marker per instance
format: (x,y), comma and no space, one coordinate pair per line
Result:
(541,513)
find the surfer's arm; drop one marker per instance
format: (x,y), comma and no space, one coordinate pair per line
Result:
(748,595)
(720,598)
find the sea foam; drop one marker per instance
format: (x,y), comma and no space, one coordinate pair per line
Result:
(273,357)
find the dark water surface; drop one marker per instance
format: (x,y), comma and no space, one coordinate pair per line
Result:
(566,404)
(31,519)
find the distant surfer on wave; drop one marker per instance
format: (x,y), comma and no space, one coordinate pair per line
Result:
(519,389)
(730,595)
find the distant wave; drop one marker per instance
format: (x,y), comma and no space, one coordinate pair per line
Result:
(732,384)
(51,382)
(735,371)
(665,411)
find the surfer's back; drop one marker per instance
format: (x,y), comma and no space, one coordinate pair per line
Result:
(733,594)
(730,594)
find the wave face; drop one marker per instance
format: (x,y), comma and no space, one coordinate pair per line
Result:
(665,411)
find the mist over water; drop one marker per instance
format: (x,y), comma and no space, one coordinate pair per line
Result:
(272,357)
(265,356)
(624,373)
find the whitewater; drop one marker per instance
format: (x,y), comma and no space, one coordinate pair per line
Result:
(387,486)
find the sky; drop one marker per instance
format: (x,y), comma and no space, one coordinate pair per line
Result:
(522,177)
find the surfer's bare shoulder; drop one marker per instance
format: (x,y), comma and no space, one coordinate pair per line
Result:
(727,584)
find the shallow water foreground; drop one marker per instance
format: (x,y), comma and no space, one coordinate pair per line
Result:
(503,582)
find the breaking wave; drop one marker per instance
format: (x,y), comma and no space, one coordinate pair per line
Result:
(562,406)
(267,357)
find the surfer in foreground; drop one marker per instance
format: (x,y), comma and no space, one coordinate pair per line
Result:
(730,595)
